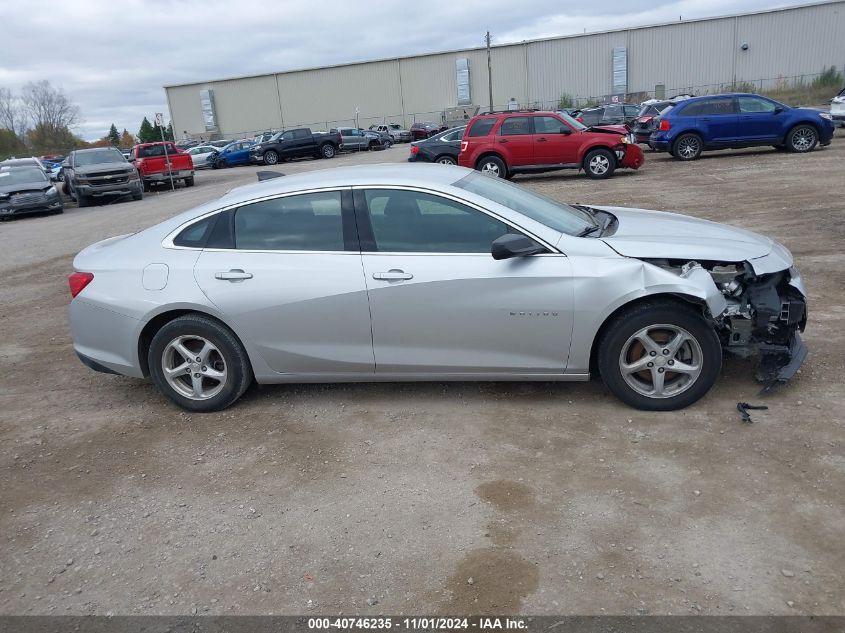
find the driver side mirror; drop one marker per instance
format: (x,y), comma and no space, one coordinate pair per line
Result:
(513,245)
(565,130)
(777,110)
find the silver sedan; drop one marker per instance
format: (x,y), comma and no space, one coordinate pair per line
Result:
(427,272)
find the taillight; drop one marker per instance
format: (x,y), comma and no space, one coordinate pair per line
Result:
(415,149)
(464,145)
(78,281)
(579,119)
(664,125)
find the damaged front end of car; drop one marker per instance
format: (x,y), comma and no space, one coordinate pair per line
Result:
(764,313)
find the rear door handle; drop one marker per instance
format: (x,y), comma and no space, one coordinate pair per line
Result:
(542,139)
(393,275)
(236,274)
(503,140)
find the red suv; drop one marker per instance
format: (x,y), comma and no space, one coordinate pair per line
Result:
(506,143)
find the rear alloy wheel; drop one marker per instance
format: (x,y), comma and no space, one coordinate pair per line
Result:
(688,147)
(659,356)
(802,138)
(600,163)
(199,364)
(492,166)
(446,160)
(327,150)
(271,157)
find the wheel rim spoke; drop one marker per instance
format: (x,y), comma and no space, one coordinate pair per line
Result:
(194,367)
(661,361)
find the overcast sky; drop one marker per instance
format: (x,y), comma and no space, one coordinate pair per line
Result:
(112,57)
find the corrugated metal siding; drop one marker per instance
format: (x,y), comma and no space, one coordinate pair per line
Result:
(696,56)
(802,41)
(328,96)
(681,55)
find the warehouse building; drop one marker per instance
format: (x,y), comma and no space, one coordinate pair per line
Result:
(766,49)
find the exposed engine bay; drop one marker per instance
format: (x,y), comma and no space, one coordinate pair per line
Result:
(763,314)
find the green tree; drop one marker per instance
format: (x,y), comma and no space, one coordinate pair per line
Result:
(147,134)
(113,135)
(47,139)
(11,145)
(565,101)
(168,133)
(126,139)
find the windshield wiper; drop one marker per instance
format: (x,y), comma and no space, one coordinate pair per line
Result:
(590,229)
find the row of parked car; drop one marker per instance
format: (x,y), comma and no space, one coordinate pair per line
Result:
(531,141)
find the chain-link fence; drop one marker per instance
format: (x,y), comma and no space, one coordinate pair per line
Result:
(807,89)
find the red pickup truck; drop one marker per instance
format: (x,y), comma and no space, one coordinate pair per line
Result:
(157,162)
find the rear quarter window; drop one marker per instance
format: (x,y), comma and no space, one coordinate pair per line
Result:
(481,127)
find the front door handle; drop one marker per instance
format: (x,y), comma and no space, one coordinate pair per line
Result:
(393,275)
(542,139)
(236,274)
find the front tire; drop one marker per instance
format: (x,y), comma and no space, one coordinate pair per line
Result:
(802,138)
(599,164)
(271,157)
(82,201)
(659,356)
(199,364)
(492,166)
(688,147)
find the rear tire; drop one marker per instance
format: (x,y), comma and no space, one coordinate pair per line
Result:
(802,138)
(492,166)
(599,164)
(201,389)
(658,323)
(445,160)
(328,150)
(189,181)
(688,147)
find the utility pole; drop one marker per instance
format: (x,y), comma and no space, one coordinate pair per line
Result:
(489,71)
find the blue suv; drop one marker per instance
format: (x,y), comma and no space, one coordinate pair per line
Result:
(737,120)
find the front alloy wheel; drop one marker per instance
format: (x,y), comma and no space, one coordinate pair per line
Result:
(802,138)
(659,356)
(271,157)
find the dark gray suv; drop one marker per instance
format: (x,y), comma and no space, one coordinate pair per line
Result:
(104,171)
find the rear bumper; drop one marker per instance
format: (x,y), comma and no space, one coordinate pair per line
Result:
(164,176)
(105,338)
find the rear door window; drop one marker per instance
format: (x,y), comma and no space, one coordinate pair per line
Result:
(482,127)
(515,126)
(306,222)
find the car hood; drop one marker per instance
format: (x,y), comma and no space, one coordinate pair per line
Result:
(24,187)
(98,167)
(655,234)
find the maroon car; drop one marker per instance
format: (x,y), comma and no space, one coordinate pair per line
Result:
(424,129)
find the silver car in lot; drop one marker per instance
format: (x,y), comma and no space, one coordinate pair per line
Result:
(432,272)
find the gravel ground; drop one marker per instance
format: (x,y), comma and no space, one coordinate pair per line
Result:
(420,498)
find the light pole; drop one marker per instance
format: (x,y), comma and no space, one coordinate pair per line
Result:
(489,71)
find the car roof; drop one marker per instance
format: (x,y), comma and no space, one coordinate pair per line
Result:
(387,174)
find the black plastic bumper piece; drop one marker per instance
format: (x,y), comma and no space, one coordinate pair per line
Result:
(780,363)
(92,364)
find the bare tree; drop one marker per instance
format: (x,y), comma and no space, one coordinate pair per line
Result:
(12,116)
(49,108)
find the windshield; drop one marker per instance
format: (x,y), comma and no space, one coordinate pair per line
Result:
(99,156)
(571,121)
(21,175)
(556,215)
